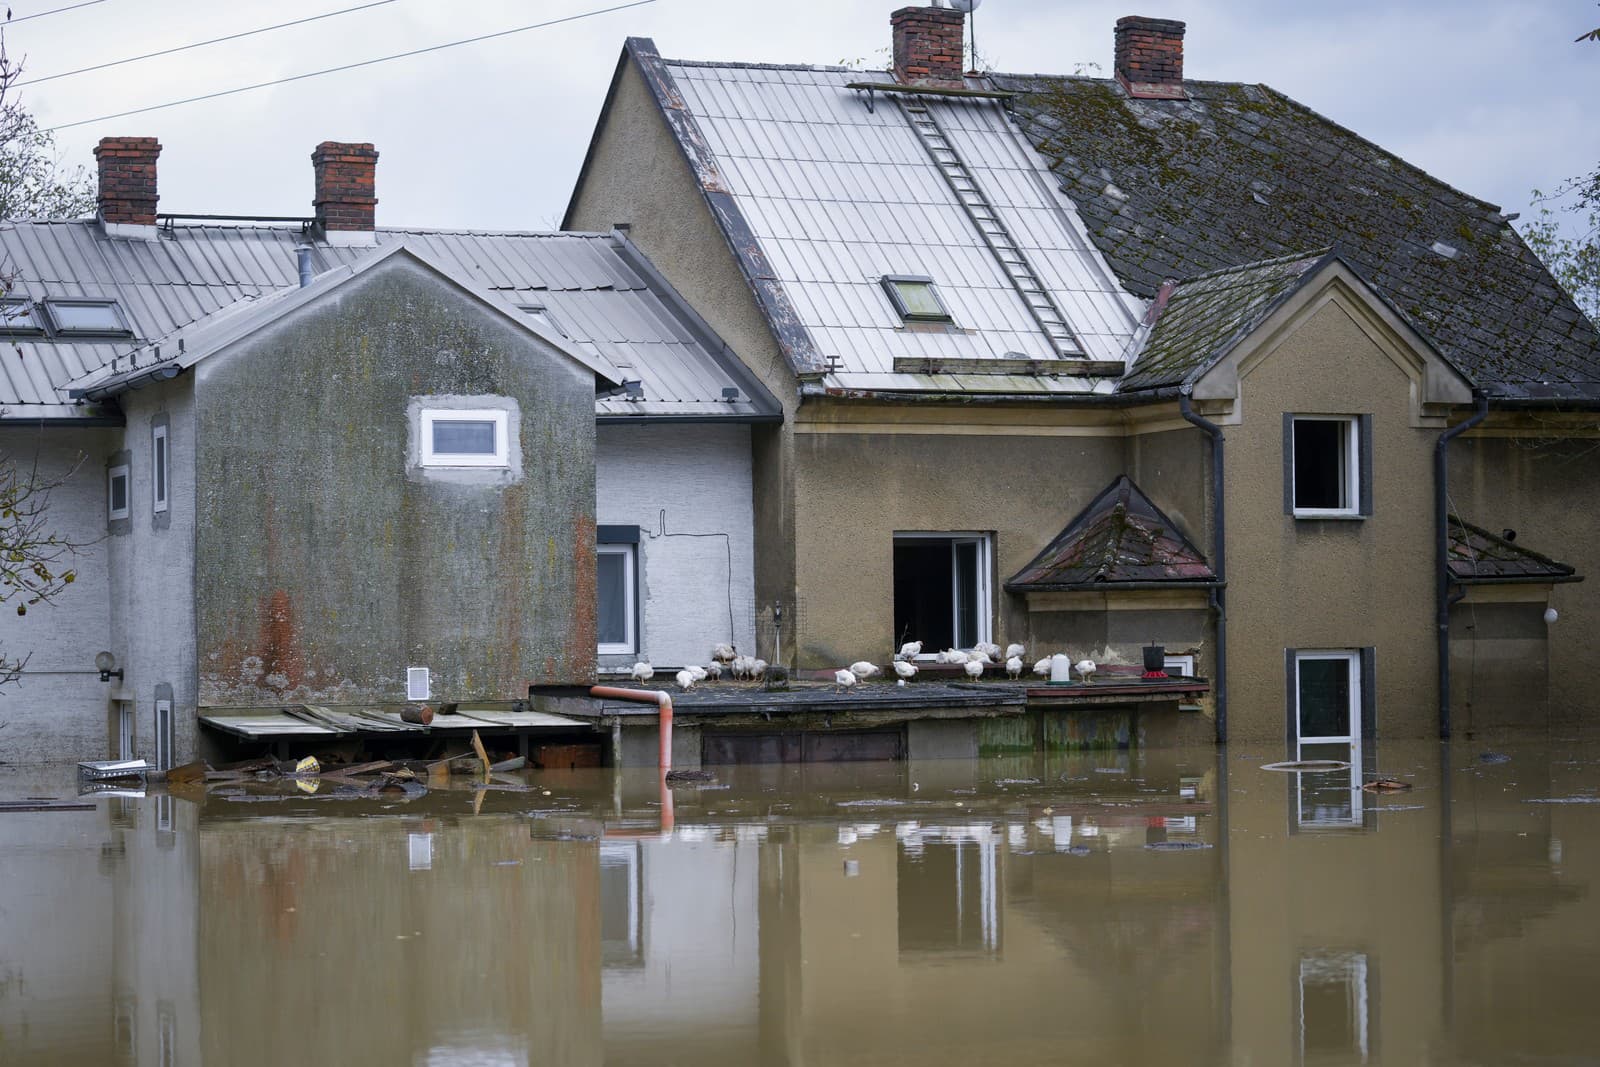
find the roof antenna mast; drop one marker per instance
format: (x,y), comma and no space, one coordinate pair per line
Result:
(970,9)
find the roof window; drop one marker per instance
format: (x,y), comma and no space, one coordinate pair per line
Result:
(915,298)
(19,317)
(86,318)
(541,314)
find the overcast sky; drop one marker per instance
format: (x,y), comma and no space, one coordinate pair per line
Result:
(1494,98)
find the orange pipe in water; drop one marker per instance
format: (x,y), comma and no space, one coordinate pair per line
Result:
(661,698)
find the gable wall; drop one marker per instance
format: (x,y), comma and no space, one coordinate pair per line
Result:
(638,175)
(326,564)
(1329,584)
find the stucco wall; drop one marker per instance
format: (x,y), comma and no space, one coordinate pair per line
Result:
(855,491)
(1516,474)
(699,476)
(152,604)
(638,176)
(1295,583)
(51,715)
(325,566)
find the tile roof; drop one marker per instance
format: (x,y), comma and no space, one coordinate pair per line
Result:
(1238,173)
(1479,557)
(600,291)
(1204,316)
(823,192)
(1120,537)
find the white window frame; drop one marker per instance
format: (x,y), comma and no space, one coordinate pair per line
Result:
(1352,469)
(1352,968)
(1353,659)
(501,457)
(985,601)
(125,472)
(630,584)
(160,467)
(890,281)
(1184,665)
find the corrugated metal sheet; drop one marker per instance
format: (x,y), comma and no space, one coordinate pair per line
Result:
(592,292)
(839,196)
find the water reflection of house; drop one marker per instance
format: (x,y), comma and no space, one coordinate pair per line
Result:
(983,299)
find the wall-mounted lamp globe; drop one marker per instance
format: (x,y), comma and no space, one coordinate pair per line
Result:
(1551,615)
(106,664)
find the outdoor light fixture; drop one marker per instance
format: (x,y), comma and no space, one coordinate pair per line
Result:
(104,662)
(1551,615)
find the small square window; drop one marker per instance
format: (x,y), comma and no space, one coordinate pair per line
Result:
(158,467)
(1325,465)
(117,492)
(915,298)
(20,318)
(464,437)
(100,318)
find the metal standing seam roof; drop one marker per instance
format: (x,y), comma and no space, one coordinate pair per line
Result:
(598,290)
(823,198)
(1478,557)
(1240,173)
(1120,538)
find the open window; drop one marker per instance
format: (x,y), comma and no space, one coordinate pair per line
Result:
(941,589)
(464,437)
(1327,466)
(915,298)
(617,590)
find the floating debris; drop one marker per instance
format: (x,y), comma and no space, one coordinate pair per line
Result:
(1566,800)
(1308,765)
(1176,846)
(1493,757)
(1386,785)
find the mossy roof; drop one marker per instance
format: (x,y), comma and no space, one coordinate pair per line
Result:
(1120,537)
(1240,173)
(1478,556)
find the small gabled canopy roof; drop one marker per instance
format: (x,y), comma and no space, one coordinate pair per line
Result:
(1120,538)
(182,349)
(1478,557)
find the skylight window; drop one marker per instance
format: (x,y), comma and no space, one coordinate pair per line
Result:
(101,318)
(915,298)
(541,314)
(18,317)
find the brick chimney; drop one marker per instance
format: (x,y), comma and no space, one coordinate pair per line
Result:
(1149,59)
(128,186)
(345,199)
(927,46)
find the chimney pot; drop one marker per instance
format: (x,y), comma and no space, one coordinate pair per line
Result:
(345,201)
(928,46)
(127,191)
(1149,57)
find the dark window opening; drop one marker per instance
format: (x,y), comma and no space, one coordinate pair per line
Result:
(1322,465)
(940,591)
(1325,693)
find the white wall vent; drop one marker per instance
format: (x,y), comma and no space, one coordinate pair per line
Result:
(418,686)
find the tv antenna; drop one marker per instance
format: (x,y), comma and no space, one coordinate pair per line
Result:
(970,9)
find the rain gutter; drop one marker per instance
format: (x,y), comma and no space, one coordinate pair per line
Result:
(1219,551)
(1441,540)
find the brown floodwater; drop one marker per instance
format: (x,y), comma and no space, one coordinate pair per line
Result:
(1159,907)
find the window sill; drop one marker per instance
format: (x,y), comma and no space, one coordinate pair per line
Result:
(1329,516)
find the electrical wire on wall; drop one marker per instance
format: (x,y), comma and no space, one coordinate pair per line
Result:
(727,543)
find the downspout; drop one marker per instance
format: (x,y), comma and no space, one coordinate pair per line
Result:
(1219,551)
(662,699)
(1441,540)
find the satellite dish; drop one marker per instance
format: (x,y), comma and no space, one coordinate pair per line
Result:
(966,7)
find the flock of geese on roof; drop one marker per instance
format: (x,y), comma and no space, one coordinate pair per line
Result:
(726,659)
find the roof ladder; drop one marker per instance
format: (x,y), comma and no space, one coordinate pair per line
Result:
(1010,256)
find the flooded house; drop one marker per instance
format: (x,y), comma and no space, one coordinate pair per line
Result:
(319,462)
(1089,363)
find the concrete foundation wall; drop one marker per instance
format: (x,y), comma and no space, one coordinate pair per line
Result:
(1327,584)
(696,589)
(327,563)
(59,709)
(1500,666)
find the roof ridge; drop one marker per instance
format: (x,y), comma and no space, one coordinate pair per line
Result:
(829,68)
(1257,264)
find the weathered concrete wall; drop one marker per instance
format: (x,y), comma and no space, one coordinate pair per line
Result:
(325,565)
(690,581)
(1324,584)
(1537,475)
(59,709)
(855,491)
(638,176)
(1499,662)
(152,605)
